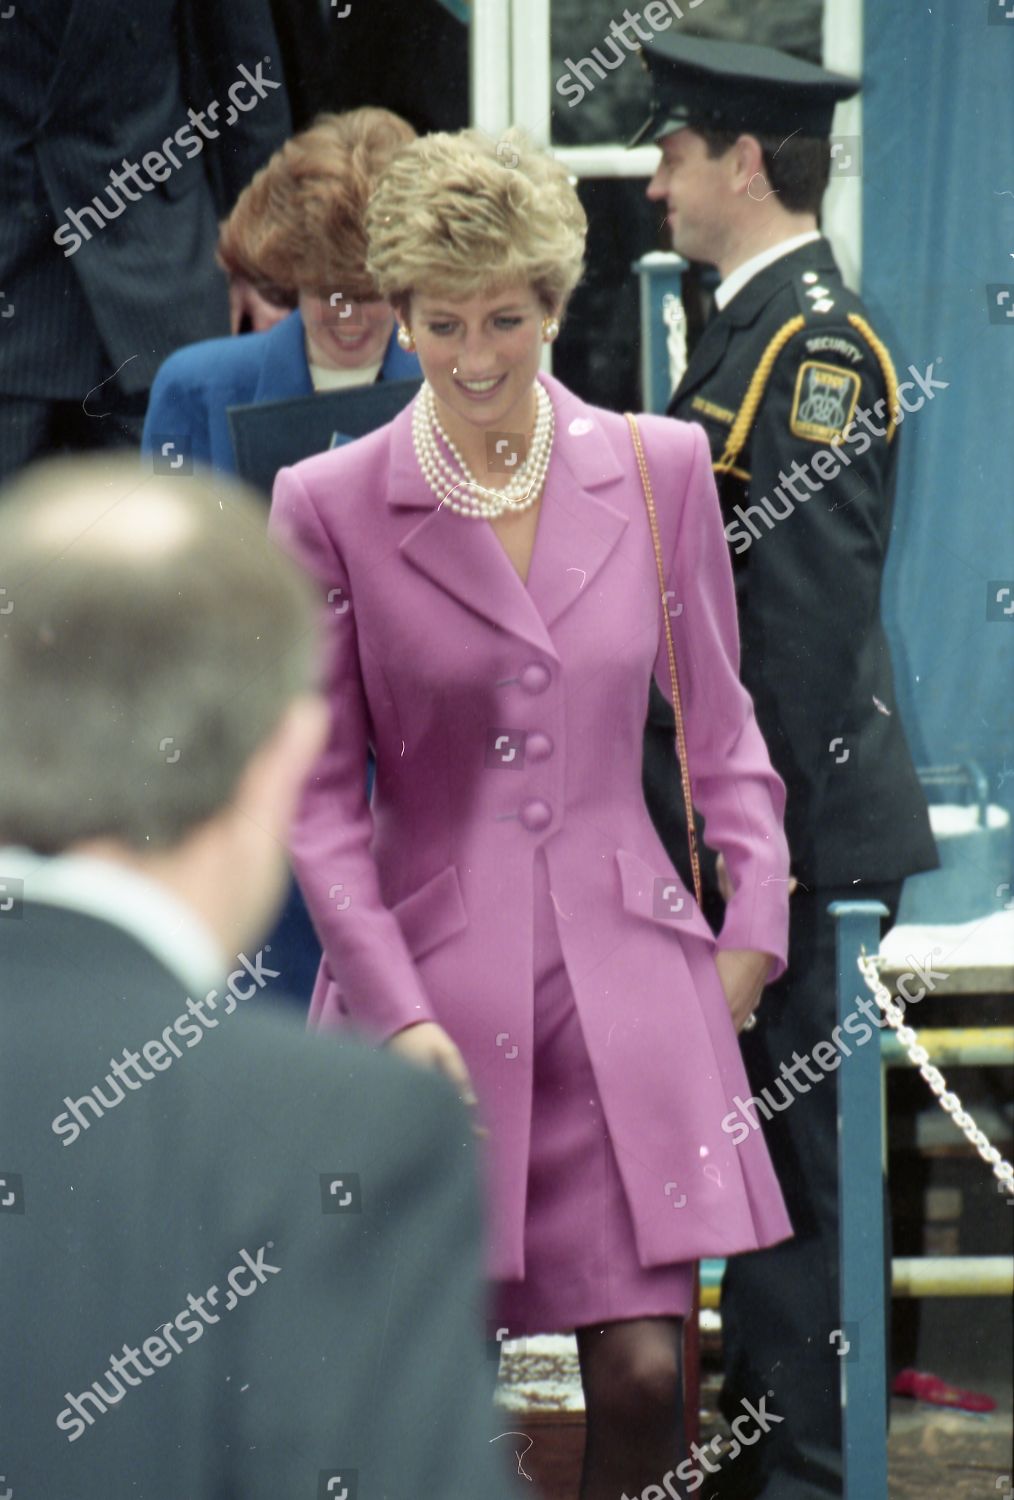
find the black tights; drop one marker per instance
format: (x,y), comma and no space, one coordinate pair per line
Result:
(633,1396)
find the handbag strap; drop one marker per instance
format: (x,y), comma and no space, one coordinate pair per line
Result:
(677,700)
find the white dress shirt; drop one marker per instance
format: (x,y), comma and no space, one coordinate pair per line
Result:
(325,379)
(147,910)
(737,279)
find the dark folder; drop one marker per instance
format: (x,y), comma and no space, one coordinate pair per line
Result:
(269,436)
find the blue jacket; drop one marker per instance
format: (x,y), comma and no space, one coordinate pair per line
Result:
(189,400)
(195,386)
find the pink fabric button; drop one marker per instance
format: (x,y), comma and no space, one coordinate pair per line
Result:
(535,678)
(536,814)
(538,746)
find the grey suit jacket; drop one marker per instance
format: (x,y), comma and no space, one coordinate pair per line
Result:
(276,1236)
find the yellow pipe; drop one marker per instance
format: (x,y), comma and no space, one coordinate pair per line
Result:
(937,1276)
(954,1276)
(980,1046)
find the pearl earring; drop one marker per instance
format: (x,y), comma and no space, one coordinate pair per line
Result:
(405,339)
(550,329)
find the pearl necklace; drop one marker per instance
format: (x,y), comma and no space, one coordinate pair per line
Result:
(456,486)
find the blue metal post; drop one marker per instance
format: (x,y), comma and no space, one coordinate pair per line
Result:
(661,274)
(861,1341)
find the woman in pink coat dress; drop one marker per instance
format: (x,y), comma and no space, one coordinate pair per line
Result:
(503,909)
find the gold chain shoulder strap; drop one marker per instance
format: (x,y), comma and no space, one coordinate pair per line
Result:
(744,419)
(886,367)
(740,429)
(677,701)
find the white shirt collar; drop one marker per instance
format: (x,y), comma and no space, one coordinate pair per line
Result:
(324,379)
(138,905)
(737,279)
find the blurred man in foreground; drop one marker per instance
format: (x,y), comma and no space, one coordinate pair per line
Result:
(235,1260)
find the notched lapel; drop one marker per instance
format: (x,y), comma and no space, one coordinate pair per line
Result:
(284,369)
(711,347)
(747,305)
(578,529)
(463,557)
(577,533)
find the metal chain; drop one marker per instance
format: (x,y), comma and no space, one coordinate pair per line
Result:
(919,1057)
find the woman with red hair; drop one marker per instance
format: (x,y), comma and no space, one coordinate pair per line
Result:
(295,236)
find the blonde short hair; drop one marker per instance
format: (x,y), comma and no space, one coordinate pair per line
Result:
(463,215)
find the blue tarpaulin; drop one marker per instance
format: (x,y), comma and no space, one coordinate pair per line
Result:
(938,254)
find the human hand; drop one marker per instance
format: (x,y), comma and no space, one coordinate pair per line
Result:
(744,973)
(428,1045)
(245,302)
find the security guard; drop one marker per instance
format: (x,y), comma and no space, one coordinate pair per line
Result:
(801,403)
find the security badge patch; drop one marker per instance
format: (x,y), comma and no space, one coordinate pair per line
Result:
(824,401)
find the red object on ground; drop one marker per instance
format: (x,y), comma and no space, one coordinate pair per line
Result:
(931,1388)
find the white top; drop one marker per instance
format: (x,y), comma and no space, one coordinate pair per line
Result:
(142,907)
(981,942)
(950,820)
(334,380)
(737,279)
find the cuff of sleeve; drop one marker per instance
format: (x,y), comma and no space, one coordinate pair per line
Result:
(394,1027)
(767,934)
(381,1022)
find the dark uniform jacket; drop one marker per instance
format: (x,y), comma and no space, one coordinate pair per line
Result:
(777,376)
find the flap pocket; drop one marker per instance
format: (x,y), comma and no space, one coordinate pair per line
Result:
(661,898)
(433,913)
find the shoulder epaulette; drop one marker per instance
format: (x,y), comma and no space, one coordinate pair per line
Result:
(813,297)
(744,419)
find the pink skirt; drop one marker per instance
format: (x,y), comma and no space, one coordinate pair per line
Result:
(581,1264)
